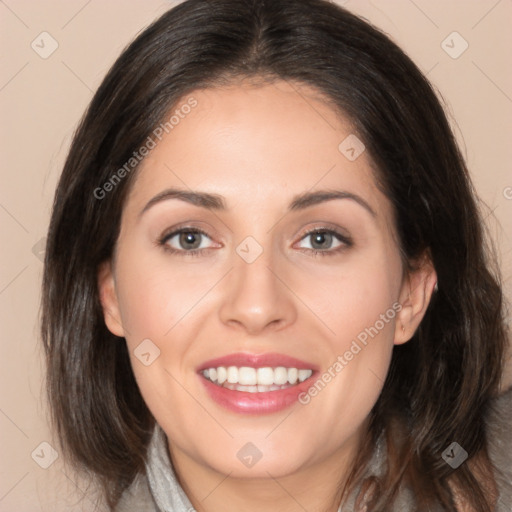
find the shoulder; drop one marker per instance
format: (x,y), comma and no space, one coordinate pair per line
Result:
(498,483)
(499,447)
(137,497)
(499,420)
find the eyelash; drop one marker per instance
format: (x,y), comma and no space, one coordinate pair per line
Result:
(162,241)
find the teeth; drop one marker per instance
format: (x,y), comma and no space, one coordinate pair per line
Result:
(253,380)
(293,375)
(280,375)
(265,376)
(222,375)
(232,375)
(304,374)
(246,376)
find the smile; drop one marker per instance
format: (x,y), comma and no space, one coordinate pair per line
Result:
(256,380)
(255,383)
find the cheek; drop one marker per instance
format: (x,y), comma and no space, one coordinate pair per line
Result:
(359,305)
(353,296)
(156,295)
(366,334)
(157,303)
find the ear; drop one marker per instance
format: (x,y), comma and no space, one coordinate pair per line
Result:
(415,294)
(109,300)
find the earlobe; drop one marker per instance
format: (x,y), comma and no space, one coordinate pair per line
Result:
(416,292)
(108,299)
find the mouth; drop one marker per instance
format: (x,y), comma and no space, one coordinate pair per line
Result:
(257,384)
(256,380)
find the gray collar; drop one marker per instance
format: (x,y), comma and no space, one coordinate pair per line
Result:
(165,488)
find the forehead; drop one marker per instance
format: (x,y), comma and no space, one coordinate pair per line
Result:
(257,143)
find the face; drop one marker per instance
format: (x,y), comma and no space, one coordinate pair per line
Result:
(256,307)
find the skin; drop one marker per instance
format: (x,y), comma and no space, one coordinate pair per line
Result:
(258,147)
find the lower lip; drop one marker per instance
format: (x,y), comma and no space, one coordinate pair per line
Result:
(255,403)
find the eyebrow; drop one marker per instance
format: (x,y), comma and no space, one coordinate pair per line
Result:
(217,203)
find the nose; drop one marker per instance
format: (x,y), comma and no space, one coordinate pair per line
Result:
(256,297)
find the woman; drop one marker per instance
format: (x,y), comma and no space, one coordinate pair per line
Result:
(333,337)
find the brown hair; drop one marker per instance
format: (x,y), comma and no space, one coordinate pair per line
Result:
(440,383)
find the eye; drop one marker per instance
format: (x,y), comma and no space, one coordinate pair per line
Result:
(189,241)
(326,241)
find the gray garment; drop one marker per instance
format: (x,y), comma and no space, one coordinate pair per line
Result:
(160,490)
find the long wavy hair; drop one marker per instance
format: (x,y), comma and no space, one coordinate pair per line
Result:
(440,383)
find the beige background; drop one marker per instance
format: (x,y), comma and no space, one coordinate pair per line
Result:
(41,101)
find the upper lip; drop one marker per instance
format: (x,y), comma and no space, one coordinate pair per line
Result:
(270,359)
